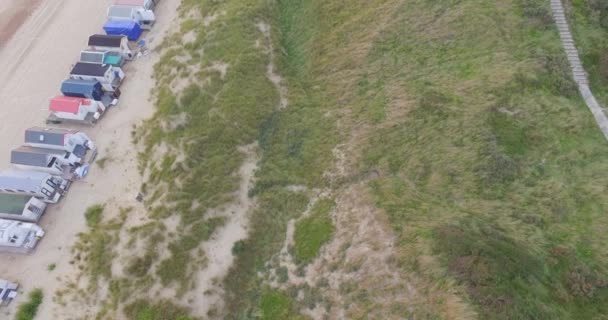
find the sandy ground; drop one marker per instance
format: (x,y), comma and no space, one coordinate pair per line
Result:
(39,56)
(13,14)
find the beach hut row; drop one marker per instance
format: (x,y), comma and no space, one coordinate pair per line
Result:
(52,158)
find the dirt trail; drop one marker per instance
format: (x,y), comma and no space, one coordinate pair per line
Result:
(40,56)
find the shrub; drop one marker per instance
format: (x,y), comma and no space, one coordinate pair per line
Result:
(558,75)
(537,11)
(238,247)
(598,9)
(93,215)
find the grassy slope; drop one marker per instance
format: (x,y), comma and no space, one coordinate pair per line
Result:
(498,168)
(315,44)
(588,21)
(494,170)
(490,167)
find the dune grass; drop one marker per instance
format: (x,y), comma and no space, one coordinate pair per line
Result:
(94,251)
(267,235)
(176,267)
(191,156)
(275,305)
(313,231)
(497,166)
(163,310)
(489,166)
(93,215)
(219,113)
(29,309)
(484,150)
(589,26)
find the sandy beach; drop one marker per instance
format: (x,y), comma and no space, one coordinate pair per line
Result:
(13,13)
(39,56)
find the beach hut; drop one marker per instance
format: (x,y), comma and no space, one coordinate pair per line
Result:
(101,57)
(128,28)
(19,237)
(21,208)
(114,43)
(69,140)
(146,4)
(56,162)
(89,89)
(41,185)
(145,18)
(8,291)
(109,76)
(76,110)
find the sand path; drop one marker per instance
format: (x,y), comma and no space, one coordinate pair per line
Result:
(38,57)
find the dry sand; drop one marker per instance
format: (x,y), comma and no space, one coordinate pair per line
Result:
(36,59)
(13,14)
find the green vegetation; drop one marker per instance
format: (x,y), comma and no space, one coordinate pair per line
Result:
(497,166)
(175,268)
(267,235)
(313,231)
(51,267)
(94,250)
(220,112)
(588,21)
(502,273)
(93,215)
(28,310)
(152,233)
(163,310)
(275,305)
(460,122)
(191,157)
